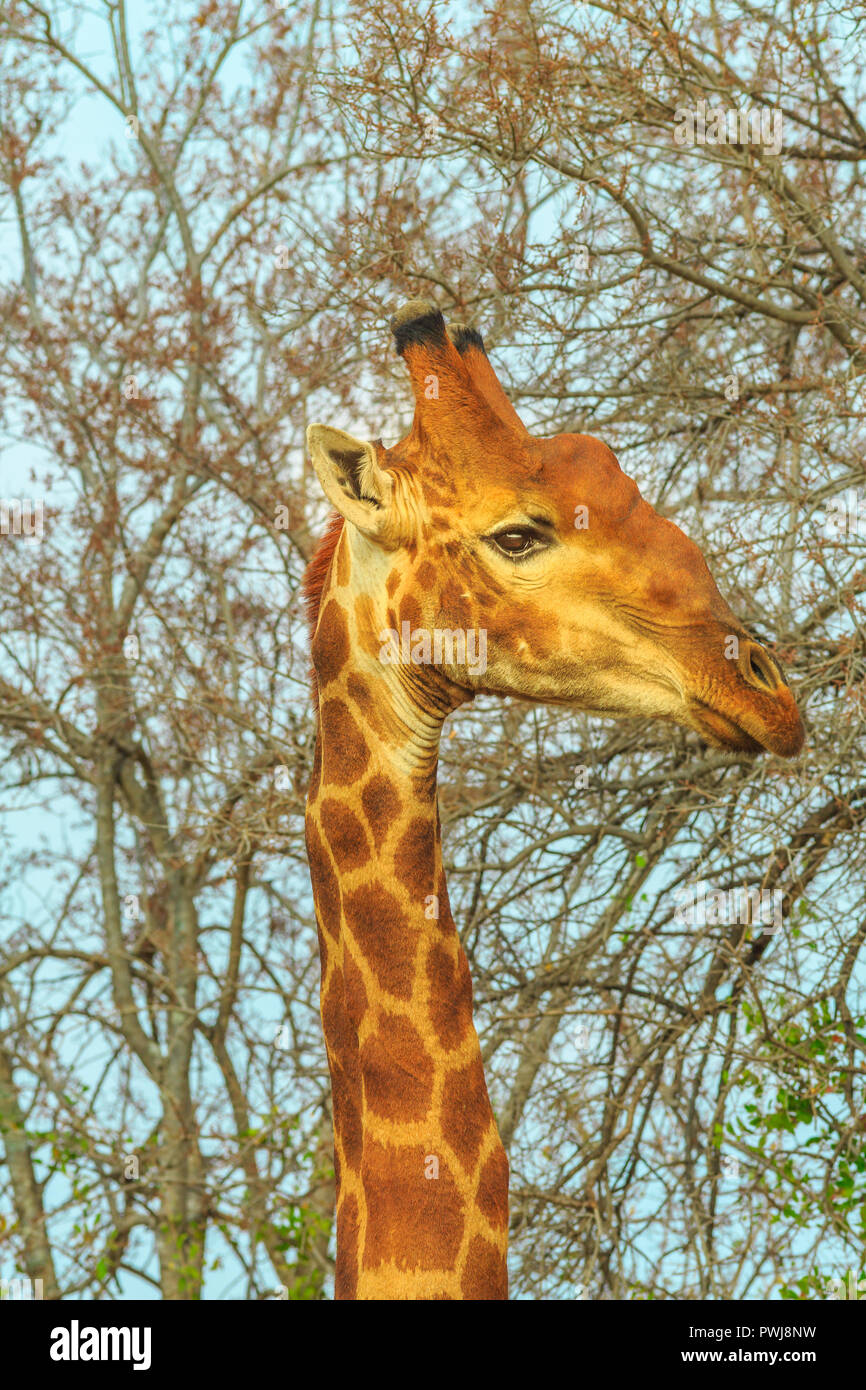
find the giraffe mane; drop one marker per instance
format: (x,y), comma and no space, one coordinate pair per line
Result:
(313,582)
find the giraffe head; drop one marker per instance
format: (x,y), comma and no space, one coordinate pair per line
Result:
(537,562)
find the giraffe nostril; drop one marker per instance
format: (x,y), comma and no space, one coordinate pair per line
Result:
(759,669)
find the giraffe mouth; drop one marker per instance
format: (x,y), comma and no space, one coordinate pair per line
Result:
(721,731)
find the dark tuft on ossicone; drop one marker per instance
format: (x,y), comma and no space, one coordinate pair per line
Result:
(464,337)
(419,321)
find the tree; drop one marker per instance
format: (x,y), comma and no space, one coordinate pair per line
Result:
(681,1096)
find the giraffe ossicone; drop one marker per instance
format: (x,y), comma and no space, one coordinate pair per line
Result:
(468,526)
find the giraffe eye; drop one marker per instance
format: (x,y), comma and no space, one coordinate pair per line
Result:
(517,541)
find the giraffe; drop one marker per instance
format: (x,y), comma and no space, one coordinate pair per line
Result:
(586,597)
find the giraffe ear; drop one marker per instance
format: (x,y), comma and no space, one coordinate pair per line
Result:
(351,479)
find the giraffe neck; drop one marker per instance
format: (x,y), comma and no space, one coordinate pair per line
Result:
(422,1177)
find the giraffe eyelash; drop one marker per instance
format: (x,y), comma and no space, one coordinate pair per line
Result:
(539,542)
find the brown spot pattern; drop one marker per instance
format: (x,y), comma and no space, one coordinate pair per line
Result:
(326,890)
(455,607)
(359,693)
(410,611)
(382,932)
(345,1074)
(492,1195)
(346,1274)
(344,833)
(381,806)
(414,1221)
(345,753)
(356,992)
(397,1072)
(316,775)
(367,626)
(466,1113)
(485,1275)
(450,995)
(331,644)
(446,921)
(414,857)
